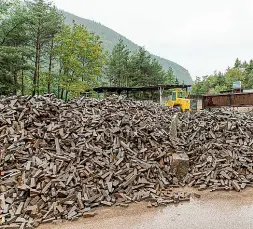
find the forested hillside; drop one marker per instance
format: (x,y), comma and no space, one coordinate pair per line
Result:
(110,38)
(42,52)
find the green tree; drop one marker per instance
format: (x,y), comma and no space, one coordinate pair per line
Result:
(44,21)
(14,51)
(156,74)
(233,75)
(12,21)
(220,78)
(117,65)
(198,87)
(13,60)
(238,63)
(248,74)
(140,68)
(244,64)
(4,6)
(144,70)
(170,77)
(81,59)
(223,81)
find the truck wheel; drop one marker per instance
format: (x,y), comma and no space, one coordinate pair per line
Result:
(178,108)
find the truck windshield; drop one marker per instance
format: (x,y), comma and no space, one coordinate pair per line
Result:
(181,95)
(174,96)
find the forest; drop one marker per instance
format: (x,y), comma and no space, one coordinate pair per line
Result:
(218,81)
(40,54)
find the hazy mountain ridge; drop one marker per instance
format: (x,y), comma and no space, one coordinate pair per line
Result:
(110,38)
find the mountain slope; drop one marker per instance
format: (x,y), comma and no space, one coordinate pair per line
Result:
(110,38)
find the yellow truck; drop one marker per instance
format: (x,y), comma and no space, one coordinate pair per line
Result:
(180,101)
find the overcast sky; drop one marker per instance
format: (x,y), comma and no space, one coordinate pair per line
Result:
(201,35)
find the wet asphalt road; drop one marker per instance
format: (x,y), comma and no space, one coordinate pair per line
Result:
(214,210)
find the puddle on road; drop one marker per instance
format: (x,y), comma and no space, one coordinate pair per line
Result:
(214,210)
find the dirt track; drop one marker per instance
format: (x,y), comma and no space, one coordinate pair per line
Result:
(214,210)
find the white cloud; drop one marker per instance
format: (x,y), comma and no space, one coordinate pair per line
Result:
(200,35)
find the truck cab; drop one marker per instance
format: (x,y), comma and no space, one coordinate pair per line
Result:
(179,100)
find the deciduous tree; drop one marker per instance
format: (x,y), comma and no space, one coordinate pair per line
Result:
(81,56)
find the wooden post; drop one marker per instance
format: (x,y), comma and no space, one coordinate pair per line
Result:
(161,94)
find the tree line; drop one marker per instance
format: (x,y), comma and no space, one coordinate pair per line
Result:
(218,81)
(125,68)
(40,54)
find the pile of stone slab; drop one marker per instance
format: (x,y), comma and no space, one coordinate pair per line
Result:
(60,160)
(220,147)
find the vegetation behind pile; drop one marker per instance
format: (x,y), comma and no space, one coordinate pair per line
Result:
(40,54)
